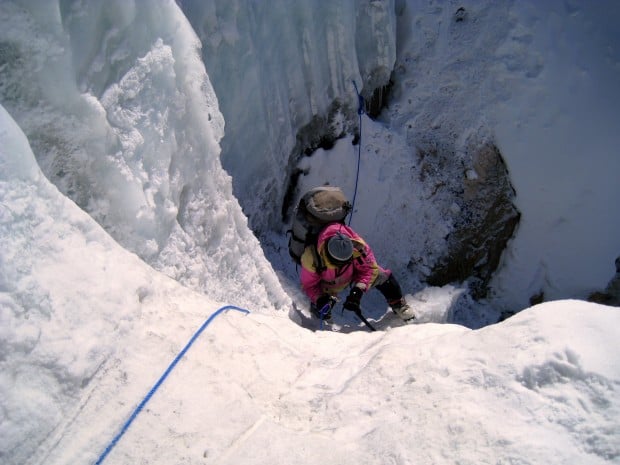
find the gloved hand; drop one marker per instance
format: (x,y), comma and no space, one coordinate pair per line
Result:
(353,300)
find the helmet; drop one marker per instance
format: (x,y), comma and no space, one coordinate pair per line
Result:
(339,249)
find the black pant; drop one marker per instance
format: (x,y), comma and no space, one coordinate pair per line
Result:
(391,290)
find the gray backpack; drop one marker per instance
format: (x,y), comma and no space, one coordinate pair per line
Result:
(317,208)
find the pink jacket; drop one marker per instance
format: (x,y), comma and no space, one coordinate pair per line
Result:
(363,269)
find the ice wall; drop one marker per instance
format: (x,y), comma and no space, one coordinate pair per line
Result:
(279,65)
(120,113)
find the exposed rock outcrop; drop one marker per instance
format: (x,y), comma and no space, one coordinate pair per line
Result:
(611,294)
(487,220)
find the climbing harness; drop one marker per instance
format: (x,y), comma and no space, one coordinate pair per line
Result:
(162,379)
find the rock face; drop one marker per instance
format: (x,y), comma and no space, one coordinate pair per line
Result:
(611,294)
(487,220)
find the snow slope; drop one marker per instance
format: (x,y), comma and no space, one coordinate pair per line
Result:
(88,328)
(259,390)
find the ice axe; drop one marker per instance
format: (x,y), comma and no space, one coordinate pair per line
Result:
(358,312)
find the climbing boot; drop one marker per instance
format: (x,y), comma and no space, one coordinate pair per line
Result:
(403,310)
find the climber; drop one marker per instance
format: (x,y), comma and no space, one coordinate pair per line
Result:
(342,259)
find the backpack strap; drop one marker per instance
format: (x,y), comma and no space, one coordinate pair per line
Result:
(361,250)
(319,266)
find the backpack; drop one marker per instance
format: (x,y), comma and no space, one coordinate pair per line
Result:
(317,208)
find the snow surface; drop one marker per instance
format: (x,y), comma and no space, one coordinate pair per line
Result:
(88,325)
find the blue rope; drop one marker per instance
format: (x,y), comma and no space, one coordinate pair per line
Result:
(162,378)
(360,112)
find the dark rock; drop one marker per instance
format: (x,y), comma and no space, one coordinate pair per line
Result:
(486,223)
(611,294)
